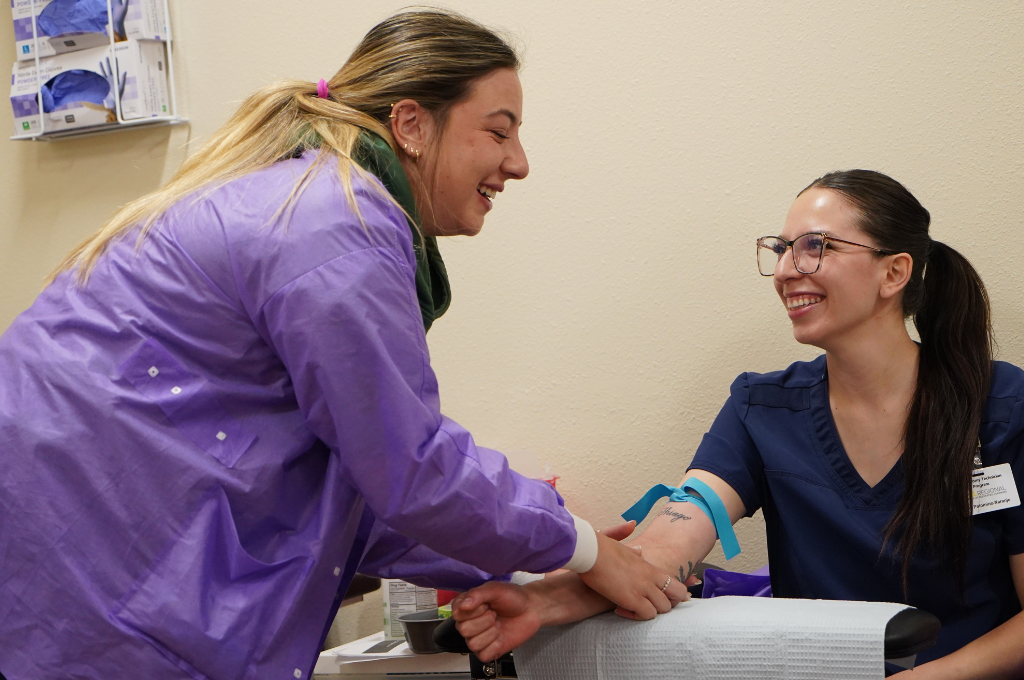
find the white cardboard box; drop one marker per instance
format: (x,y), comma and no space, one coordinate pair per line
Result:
(144,64)
(142,20)
(85,98)
(146,21)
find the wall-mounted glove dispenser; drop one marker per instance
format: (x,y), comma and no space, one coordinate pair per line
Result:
(91,66)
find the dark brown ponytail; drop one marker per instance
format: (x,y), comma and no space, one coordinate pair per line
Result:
(950,307)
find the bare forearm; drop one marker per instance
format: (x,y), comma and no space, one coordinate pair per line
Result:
(997,654)
(565,598)
(678,539)
(681,536)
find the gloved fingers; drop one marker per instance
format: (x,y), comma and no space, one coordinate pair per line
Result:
(491,651)
(646,610)
(625,613)
(478,624)
(659,600)
(482,640)
(474,602)
(626,579)
(677,592)
(468,609)
(619,531)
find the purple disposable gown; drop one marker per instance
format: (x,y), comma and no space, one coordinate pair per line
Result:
(199,447)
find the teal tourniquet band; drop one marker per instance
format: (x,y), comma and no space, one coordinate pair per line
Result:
(707,500)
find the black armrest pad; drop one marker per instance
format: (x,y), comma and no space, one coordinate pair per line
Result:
(449,639)
(910,632)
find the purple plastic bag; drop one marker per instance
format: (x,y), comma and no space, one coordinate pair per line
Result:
(718,582)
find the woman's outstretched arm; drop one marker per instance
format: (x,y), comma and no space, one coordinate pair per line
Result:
(498,617)
(681,536)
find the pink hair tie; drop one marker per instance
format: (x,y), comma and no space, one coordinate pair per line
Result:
(321,89)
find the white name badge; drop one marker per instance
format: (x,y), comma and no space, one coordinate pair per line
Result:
(993,488)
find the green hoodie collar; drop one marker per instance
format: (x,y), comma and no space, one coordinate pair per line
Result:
(375,156)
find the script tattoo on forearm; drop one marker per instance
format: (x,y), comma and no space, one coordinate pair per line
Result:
(669,512)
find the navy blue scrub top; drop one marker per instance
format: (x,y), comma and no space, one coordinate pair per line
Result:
(776,444)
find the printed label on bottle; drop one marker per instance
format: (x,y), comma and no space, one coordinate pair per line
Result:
(404,598)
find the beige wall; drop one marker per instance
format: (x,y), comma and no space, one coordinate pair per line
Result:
(612,297)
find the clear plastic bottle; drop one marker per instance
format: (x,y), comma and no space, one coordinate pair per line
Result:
(403,598)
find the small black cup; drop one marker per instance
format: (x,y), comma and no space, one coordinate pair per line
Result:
(419,631)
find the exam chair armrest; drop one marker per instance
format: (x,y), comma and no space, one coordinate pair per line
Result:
(910,632)
(449,639)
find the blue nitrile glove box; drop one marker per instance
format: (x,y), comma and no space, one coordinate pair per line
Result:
(72,25)
(78,87)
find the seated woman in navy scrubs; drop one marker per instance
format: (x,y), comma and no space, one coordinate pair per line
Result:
(858,458)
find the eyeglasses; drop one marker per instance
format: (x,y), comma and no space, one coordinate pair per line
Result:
(807,252)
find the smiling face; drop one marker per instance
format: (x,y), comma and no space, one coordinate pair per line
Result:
(850,291)
(478,152)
